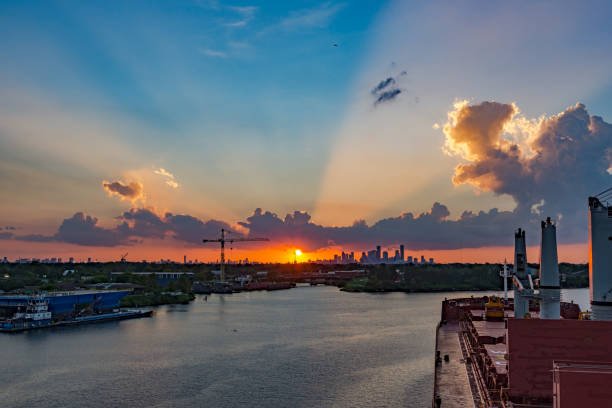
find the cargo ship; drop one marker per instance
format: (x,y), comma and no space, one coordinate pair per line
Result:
(27,312)
(532,351)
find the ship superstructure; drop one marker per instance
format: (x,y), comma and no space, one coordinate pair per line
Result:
(543,352)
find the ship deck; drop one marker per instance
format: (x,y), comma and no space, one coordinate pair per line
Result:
(452,383)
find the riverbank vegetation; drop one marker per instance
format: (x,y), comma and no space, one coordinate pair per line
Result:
(451,277)
(33,277)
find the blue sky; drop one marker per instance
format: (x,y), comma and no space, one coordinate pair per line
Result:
(250,104)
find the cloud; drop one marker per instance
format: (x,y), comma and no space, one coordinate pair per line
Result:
(34,238)
(6,235)
(212,53)
(549,165)
(387,96)
(383,84)
(428,230)
(387,90)
(163,172)
(170,180)
(9,228)
(133,226)
(81,229)
(246,12)
(130,191)
(319,16)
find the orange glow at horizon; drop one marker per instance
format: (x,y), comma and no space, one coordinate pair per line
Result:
(282,253)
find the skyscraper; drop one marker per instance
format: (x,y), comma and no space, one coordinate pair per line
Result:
(402,253)
(378,252)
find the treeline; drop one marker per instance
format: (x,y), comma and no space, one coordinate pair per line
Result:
(453,277)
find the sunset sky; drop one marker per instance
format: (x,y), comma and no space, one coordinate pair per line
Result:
(143,127)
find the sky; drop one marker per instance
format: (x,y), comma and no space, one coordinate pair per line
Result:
(142,127)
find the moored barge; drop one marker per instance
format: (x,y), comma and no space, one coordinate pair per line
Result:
(27,312)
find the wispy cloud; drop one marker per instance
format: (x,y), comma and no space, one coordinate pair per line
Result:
(212,53)
(239,23)
(163,172)
(244,10)
(170,179)
(319,16)
(246,13)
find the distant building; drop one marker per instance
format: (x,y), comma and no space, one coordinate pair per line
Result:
(409,260)
(385,257)
(378,253)
(431,261)
(423,259)
(163,278)
(401,253)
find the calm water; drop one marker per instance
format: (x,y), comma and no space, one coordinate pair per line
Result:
(306,347)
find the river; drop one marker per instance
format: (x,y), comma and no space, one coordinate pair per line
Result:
(304,347)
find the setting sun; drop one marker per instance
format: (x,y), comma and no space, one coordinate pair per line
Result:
(298,252)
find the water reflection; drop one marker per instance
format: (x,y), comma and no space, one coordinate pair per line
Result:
(306,347)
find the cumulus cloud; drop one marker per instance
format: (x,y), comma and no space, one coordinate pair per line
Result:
(133,226)
(548,165)
(129,191)
(428,230)
(80,229)
(170,180)
(145,223)
(431,229)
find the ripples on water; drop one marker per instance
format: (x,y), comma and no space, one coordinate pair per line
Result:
(305,347)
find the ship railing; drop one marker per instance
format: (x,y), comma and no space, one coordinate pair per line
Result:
(435,391)
(480,383)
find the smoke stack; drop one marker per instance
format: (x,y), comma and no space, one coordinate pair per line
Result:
(600,259)
(550,306)
(521,303)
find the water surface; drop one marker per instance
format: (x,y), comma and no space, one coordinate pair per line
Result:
(305,347)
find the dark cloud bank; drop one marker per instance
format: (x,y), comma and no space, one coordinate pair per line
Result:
(568,160)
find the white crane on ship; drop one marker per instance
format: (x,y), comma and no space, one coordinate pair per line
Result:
(223,240)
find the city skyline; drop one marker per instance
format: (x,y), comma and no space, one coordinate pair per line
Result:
(324,126)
